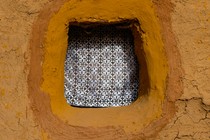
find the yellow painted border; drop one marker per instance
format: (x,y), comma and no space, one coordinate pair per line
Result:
(133,117)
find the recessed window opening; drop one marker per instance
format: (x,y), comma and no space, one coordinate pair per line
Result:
(101,68)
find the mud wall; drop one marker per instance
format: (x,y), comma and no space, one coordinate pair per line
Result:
(185,29)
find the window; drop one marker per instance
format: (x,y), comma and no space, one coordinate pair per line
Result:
(101,69)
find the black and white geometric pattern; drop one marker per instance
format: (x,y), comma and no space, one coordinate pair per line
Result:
(101,69)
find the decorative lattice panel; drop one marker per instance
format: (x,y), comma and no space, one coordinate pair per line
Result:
(101,69)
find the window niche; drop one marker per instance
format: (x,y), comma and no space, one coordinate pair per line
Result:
(101,68)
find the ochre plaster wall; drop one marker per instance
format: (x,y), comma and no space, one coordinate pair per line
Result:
(185,30)
(55,46)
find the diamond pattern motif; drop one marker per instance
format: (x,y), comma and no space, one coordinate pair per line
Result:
(101,69)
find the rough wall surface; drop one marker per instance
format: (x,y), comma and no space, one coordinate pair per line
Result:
(190,22)
(191,26)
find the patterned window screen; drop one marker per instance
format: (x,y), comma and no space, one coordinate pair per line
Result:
(101,69)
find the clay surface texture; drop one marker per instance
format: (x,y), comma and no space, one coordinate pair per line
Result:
(171,42)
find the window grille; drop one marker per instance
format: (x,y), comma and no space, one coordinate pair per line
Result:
(101,69)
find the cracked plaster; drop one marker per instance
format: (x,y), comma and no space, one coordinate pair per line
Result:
(190,22)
